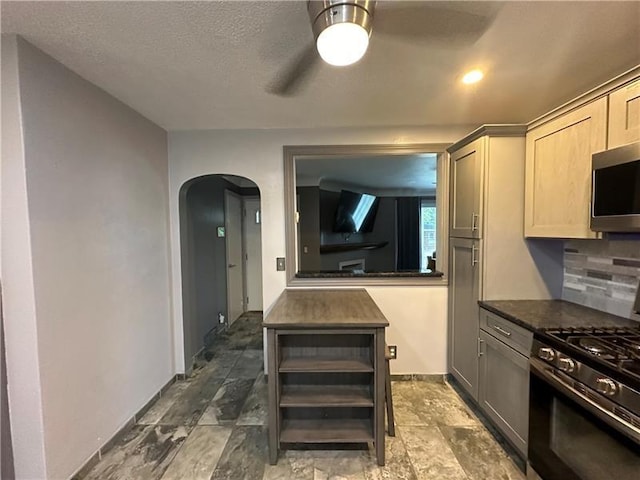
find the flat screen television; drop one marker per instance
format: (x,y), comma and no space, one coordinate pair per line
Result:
(355,213)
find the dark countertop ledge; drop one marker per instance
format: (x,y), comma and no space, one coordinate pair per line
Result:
(355,274)
(541,315)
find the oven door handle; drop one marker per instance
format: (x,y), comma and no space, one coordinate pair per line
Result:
(545,373)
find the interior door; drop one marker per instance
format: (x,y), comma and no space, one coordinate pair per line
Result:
(253,253)
(235,264)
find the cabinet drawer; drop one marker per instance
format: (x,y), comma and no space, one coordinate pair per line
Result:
(516,337)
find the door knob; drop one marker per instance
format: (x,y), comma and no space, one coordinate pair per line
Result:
(231,265)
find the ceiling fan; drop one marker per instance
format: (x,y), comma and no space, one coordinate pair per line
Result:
(450,23)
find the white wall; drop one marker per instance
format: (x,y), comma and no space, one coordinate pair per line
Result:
(417,326)
(417,314)
(19,309)
(97,193)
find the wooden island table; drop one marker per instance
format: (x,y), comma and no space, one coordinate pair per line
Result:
(326,369)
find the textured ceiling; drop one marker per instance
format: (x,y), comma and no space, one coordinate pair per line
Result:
(402,174)
(201,65)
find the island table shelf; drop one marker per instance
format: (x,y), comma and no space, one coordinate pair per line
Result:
(326,369)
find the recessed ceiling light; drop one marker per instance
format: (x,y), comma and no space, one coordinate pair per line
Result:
(472,77)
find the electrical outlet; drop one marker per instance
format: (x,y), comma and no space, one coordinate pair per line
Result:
(393,351)
(220,318)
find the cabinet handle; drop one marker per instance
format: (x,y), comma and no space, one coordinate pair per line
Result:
(501,330)
(480,342)
(474,222)
(474,259)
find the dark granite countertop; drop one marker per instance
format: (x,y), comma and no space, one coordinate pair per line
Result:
(541,315)
(367,273)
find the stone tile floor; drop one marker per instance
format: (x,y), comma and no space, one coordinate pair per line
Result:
(213,426)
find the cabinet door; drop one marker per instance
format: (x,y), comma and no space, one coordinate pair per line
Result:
(466,190)
(624,115)
(464,312)
(504,389)
(558,172)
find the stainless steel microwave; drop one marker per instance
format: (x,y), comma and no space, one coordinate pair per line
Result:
(615,190)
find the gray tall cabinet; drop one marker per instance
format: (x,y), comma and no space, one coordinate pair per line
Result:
(489,258)
(464,246)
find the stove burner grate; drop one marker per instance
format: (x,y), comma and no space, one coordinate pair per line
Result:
(635,347)
(616,347)
(594,346)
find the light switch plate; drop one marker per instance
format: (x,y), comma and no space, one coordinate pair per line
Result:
(280,265)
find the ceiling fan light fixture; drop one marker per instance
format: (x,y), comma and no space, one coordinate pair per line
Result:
(473,76)
(342,44)
(341,29)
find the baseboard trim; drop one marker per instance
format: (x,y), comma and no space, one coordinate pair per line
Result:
(408,377)
(194,360)
(109,444)
(421,377)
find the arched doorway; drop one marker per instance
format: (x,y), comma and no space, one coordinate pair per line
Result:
(220,247)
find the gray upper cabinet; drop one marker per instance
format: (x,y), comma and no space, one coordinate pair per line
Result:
(487,202)
(463,311)
(488,254)
(466,190)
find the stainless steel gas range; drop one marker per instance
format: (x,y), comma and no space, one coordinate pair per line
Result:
(584,413)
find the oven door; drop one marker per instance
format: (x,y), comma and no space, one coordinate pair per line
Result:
(573,438)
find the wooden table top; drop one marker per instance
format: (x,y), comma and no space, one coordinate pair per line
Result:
(317,308)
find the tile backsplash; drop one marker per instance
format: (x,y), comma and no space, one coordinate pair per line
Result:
(602,274)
